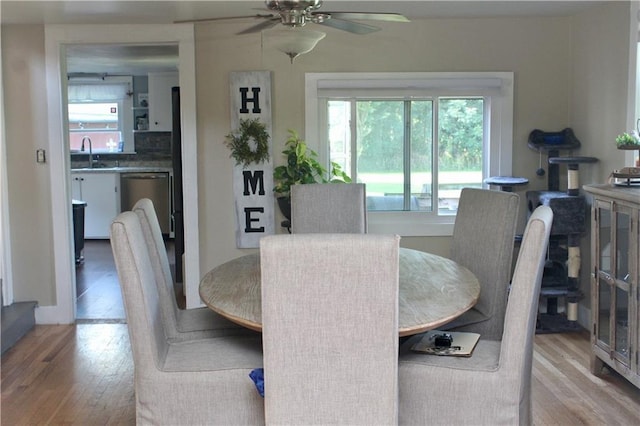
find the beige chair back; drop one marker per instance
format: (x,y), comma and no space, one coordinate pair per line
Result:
(329,208)
(483,241)
(160,262)
(516,352)
(330,328)
(179,324)
(139,293)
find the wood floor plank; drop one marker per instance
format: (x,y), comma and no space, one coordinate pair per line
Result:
(561,369)
(88,380)
(83,375)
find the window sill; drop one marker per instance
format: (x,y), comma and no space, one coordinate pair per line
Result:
(410,224)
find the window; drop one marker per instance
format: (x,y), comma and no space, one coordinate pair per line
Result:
(415,140)
(99,114)
(98,121)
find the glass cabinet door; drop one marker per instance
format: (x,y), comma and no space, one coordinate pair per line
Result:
(622,276)
(603,278)
(613,279)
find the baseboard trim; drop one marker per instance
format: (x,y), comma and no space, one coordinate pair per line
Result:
(17,320)
(52,315)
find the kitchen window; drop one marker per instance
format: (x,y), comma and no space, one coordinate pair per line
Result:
(101,122)
(415,140)
(100,111)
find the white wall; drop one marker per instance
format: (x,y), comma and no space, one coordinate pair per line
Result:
(28,182)
(536,49)
(600,87)
(598,102)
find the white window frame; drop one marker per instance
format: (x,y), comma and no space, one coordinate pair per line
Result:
(497,86)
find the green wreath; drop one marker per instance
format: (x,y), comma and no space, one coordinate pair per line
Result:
(238,142)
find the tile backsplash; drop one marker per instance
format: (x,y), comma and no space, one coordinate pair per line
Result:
(152,149)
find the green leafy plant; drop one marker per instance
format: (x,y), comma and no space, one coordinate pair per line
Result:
(302,167)
(627,139)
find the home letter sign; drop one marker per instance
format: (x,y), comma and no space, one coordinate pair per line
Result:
(253,184)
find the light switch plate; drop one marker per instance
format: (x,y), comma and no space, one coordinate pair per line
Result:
(40,156)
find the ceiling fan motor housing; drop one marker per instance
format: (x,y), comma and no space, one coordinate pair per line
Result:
(295,13)
(293,18)
(286,5)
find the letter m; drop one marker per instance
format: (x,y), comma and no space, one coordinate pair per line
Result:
(252,180)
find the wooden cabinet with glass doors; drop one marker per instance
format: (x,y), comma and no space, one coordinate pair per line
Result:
(615,330)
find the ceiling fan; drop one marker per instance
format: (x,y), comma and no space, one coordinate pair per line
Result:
(298,13)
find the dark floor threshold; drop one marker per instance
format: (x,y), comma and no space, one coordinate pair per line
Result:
(101,321)
(17,320)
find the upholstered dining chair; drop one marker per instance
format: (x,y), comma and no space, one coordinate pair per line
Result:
(180,324)
(202,381)
(483,240)
(330,328)
(493,386)
(329,208)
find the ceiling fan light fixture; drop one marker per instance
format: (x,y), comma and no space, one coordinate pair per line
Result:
(295,42)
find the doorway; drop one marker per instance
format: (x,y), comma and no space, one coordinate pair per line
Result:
(57,39)
(118,74)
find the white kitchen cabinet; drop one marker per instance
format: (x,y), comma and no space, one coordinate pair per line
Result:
(101,192)
(160,85)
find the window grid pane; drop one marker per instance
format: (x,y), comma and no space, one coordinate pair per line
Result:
(460,149)
(380,152)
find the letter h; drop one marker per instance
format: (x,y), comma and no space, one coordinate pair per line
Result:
(245,100)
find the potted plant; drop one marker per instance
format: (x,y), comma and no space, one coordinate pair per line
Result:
(628,141)
(301,167)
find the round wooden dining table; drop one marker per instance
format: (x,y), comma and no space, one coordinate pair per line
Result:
(433,291)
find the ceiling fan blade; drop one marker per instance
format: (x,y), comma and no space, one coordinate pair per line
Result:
(222,19)
(372,16)
(350,26)
(261,26)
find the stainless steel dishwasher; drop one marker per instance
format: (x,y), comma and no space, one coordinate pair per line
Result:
(151,185)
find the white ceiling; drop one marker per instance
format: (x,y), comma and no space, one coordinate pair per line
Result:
(141,59)
(162,11)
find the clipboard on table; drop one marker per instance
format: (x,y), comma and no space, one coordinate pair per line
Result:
(461,344)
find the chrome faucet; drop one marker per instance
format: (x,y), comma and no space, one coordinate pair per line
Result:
(90,150)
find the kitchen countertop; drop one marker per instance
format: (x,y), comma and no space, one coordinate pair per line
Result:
(122,170)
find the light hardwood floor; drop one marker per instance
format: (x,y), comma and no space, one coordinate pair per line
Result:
(97,287)
(98,291)
(83,375)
